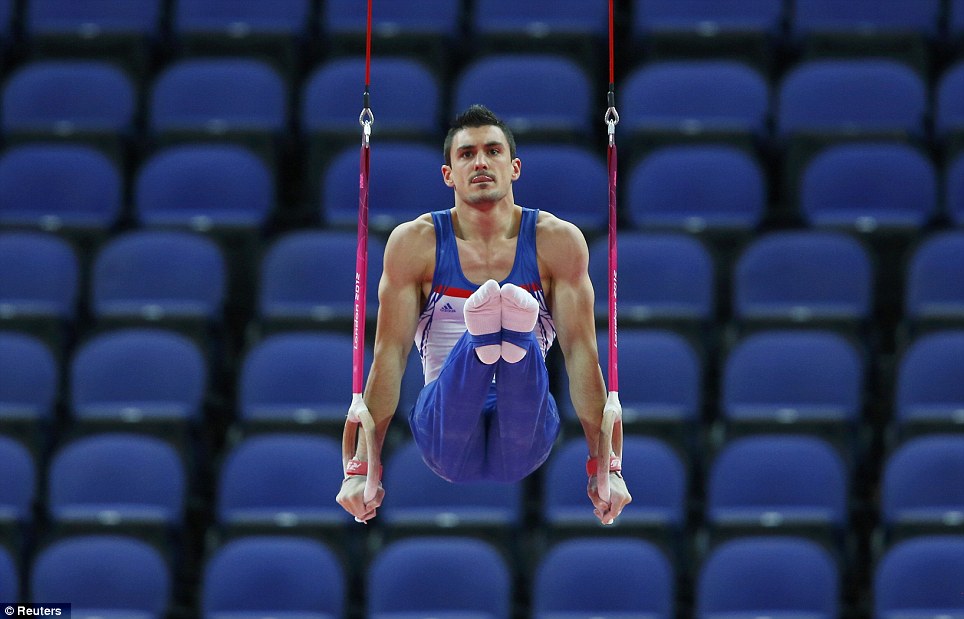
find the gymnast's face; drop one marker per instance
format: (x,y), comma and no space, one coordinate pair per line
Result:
(482,169)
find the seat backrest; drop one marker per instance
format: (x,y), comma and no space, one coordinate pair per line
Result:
(92,18)
(138,374)
(160,273)
(429,17)
(869,185)
(203,185)
(773,479)
(217,95)
(544,93)
(638,580)
(18,485)
(273,574)
(883,16)
(847,96)
(426,499)
(659,496)
(63,96)
(309,275)
(765,575)
(39,275)
(921,575)
(103,573)
(697,187)
(9,577)
(670,15)
(661,276)
(393,197)
(59,185)
(131,477)
(211,16)
(281,478)
(803,276)
(297,377)
(934,273)
(30,381)
(430,575)
(575,195)
(954,190)
(930,379)
(788,376)
(690,96)
(921,481)
(535,19)
(409,97)
(949,101)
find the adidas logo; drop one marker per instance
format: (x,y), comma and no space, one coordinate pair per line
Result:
(448,309)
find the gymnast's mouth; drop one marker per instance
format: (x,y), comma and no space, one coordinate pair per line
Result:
(483,178)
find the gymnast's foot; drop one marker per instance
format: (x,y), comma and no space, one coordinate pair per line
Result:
(520,311)
(483,316)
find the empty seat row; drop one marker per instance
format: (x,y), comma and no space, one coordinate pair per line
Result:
(544,94)
(434,576)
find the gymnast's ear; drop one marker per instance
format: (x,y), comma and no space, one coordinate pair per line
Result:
(447,176)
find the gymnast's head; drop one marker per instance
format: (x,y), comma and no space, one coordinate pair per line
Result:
(476,116)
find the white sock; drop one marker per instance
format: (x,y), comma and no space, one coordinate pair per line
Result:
(483,315)
(520,311)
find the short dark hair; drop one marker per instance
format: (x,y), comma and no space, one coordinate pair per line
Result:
(476,116)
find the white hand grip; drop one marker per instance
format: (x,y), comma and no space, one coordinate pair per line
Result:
(610,442)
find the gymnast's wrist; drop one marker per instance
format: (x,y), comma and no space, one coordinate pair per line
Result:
(615,465)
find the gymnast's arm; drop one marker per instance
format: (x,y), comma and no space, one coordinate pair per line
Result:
(564,253)
(399,305)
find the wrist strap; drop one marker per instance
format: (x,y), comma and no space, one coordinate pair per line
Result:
(615,465)
(359,467)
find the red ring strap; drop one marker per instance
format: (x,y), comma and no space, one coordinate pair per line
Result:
(360,467)
(615,465)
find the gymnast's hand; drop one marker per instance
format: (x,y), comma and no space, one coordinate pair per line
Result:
(352,498)
(619,498)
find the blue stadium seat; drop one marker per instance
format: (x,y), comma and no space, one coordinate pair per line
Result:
(280,483)
(393,198)
(663,278)
(131,378)
(929,392)
(103,575)
(778,484)
(445,578)
(793,381)
(9,577)
(934,272)
(949,106)
(203,186)
(579,195)
(639,580)
(296,380)
(39,284)
(539,96)
(111,482)
(697,188)
(803,278)
(772,575)
(954,190)
(660,481)
(427,504)
(707,99)
(58,187)
(407,100)
(307,279)
(868,187)
(955,21)
(18,492)
(86,100)
(29,388)
(274,576)
(920,490)
(920,577)
(153,276)
(849,97)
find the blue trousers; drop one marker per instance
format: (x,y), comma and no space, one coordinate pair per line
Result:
(470,428)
